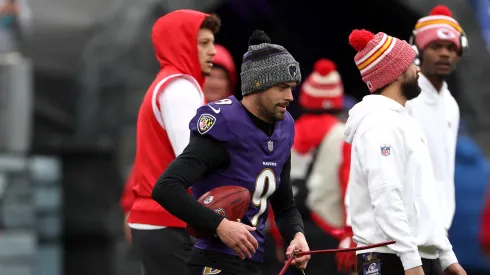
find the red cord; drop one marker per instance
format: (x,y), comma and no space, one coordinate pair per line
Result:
(299,254)
(286,265)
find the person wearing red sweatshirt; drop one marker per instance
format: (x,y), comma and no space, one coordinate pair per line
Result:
(184,45)
(219,84)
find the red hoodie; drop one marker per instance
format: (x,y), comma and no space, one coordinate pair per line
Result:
(128,197)
(174,38)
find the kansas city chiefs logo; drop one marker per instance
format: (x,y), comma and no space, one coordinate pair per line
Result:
(443,33)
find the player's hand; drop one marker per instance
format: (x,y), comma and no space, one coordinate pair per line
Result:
(346,261)
(126,228)
(237,236)
(454,269)
(299,244)
(415,271)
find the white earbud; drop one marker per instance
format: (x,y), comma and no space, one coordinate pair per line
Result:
(464,42)
(416,61)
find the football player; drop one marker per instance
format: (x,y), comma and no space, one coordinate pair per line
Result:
(245,143)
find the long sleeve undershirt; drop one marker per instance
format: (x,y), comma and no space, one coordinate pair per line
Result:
(203,155)
(178,104)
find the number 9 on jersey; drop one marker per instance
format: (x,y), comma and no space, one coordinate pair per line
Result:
(265,186)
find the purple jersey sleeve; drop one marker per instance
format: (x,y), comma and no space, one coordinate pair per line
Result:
(209,120)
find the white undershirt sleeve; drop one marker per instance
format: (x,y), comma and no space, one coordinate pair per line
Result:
(384,174)
(178,105)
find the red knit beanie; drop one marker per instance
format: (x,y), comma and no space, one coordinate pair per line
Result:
(323,89)
(381,58)
(439,25)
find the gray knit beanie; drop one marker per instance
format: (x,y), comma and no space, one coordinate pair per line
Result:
(265,65)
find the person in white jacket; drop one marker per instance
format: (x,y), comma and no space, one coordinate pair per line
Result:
(391,185)
(438,37)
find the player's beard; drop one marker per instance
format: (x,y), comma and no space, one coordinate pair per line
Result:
(271,115)
(410,88)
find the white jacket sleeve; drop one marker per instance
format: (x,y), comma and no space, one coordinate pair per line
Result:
(446,253)
(384,173)
(178,105)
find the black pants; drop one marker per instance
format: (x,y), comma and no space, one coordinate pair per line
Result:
(163,251)
(390,264)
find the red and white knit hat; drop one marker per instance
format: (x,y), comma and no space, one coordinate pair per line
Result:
(323,89)
(439,25)
(381,58)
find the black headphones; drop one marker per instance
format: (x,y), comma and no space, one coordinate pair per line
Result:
(463,42)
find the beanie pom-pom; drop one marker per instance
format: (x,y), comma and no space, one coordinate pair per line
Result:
(360,38)
(441,10)
(258,37)
(324,66)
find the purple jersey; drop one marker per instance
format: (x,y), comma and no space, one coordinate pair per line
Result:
(256,162)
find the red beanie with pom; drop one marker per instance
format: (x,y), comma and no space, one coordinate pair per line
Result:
(439,25)
(323,89)
(380,58)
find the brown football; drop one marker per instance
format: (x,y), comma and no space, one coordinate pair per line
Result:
(229,201)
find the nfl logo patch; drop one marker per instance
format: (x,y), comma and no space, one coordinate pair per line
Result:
(205,123)
(385,150)
(270,145)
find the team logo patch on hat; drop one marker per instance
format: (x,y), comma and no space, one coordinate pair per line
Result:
(444,33)
(385,150)
(368,83)
(205,123)
(293,70)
